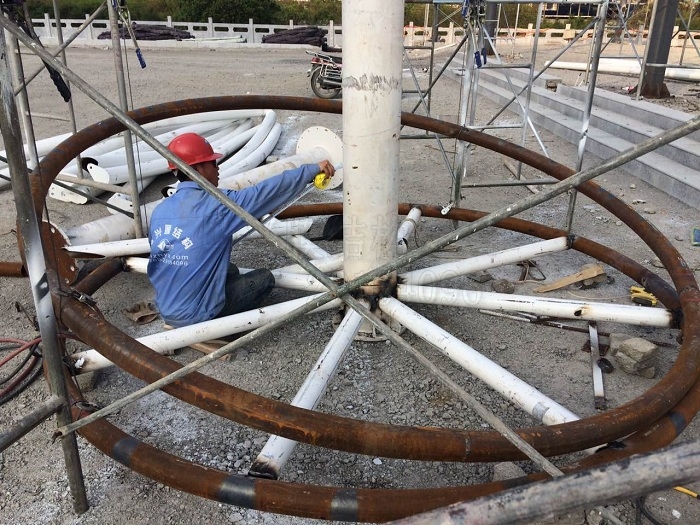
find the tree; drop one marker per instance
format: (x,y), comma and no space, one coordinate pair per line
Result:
(227,11)
(315,12)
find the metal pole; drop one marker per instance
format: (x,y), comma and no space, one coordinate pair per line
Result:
(59,37)
(35,418)
(124,105)
(592,65)
(36,267)
(626,479)
(22,101)
(28,78)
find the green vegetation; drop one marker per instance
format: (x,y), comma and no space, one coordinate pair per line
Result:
(314,12)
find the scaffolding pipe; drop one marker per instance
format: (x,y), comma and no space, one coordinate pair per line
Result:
(511,387)
(32,420)
(124,105)
(63,45)
(16,67)
(626,479)
(277,451)
(28,225)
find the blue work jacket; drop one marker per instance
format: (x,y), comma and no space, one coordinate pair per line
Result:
(190,237)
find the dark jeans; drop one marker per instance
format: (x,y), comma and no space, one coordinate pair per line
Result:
(245,291)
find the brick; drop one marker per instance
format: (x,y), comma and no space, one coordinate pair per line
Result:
(639,349)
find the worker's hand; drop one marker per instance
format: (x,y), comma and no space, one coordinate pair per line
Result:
(326,167)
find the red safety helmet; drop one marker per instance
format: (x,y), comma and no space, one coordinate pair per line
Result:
(192,149)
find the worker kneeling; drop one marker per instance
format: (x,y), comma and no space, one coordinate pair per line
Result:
(191,232)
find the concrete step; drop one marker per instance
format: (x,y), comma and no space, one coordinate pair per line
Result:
(617,123)
(654,114)
(678,179)
(626,126)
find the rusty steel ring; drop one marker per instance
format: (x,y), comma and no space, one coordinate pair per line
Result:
(670,404)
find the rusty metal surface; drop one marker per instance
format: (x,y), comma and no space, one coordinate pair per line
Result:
(672,402)
(12,269)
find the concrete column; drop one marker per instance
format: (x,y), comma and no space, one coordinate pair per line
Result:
(47,25)
(372,64)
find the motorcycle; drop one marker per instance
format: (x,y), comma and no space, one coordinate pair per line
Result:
(326,75)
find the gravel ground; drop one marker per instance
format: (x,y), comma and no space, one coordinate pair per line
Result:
(376,381)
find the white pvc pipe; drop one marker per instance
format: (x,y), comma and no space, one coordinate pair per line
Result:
(116,172)
(278,450)
(136,264)
(298,281)
(161,126)
(296,226)
(561,308)
(211,130)
(257,156)
(512,388)
(372,85)
(406,229)
(126,247)
(261,133)
(484,262)
(307,247)
(108,229)
(332,263)
(627,67)
(252,177)
(169,340)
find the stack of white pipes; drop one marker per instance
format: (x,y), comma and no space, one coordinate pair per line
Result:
(233,133)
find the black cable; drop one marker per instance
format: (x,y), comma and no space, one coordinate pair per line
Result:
(641,508)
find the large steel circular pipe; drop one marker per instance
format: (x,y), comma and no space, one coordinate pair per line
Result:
(370,438)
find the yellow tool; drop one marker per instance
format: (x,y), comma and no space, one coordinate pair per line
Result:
(321,181)
(640,296)
(686,491)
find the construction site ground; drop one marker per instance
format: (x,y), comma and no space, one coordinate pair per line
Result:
(376,381)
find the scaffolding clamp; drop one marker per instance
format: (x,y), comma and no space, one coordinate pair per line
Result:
(446,209)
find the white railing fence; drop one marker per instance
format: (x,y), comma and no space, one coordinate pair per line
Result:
(254,33)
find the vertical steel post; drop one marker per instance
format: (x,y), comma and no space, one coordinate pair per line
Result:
(17,70)
(71,110)
(591,78)
(124,106)
(28,224)
(372,64)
